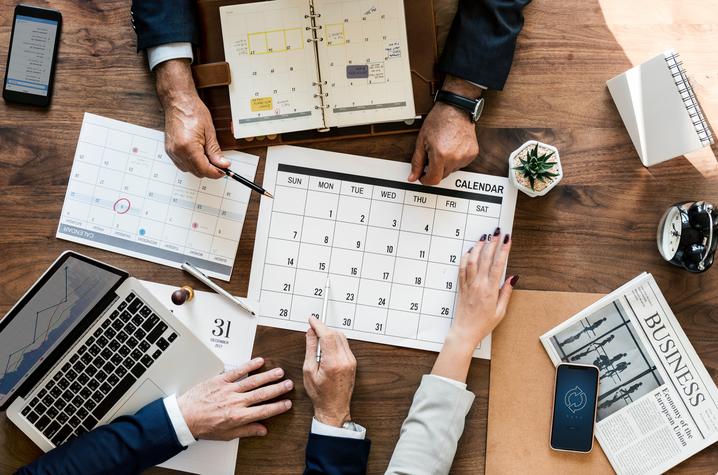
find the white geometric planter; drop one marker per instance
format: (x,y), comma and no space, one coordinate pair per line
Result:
(521,183)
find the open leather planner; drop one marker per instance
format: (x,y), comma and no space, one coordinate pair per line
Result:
(294,71)
(314,64)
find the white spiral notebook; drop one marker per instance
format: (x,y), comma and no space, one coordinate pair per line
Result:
(660,110)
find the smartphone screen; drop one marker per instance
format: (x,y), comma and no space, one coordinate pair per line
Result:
(574,407)
(28,77)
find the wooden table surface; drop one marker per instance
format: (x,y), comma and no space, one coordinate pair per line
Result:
(592,233)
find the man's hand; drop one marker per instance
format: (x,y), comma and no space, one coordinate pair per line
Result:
(330,383)
(227,406)
(190,138)
(447,138)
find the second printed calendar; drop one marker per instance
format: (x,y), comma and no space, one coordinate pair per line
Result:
(390,248)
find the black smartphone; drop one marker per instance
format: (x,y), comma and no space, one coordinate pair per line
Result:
(574,407)
(30,66)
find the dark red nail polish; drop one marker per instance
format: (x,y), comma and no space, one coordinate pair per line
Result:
(469,251)
(483,237)
(497,232)
(513,280)
(507,238)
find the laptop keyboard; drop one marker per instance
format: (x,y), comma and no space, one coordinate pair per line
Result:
(100,371)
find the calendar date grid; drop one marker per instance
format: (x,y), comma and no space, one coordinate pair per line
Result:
(177,182)
(142,155)
(209,211)
(425,292)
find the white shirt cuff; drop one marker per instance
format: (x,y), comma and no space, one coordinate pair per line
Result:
(184,435)
(162,53)
(320,428)
(449,380)
(477,85)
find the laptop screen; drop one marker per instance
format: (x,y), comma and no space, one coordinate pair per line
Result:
(50,310)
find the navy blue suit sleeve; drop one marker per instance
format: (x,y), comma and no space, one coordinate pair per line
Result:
(336,455)
(481,43)
(158,22)
(129,445)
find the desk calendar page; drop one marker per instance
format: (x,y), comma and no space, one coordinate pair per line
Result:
(364,61)
(125,195)
(390,248)
(272,61)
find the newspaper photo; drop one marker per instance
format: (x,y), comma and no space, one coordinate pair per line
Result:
(657,404)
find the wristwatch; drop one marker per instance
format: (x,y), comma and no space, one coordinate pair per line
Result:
(473,107)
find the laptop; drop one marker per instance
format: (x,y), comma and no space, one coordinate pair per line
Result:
(88,343)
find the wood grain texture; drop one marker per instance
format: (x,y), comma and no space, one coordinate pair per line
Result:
(591,234)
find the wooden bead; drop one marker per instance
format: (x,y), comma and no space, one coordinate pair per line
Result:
(182,295)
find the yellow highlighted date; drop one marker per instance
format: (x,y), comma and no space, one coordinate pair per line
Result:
(260,104)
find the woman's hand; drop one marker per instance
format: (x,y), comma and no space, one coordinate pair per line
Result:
(482,300)
(481,303)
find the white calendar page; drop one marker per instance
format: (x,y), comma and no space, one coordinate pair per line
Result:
(391,248)
(273,67)
(125,195)
(364,61)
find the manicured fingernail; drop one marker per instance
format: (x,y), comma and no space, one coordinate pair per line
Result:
(483,237)
(261,432)
(289,384)
(288,404)
(497,231)
(513,280)
(507,238)
(277,372)
(258,360)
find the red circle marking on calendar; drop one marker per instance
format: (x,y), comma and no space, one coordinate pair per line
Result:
(121,206)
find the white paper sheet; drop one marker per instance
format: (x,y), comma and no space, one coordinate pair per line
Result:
(125,195)
(364,62)
(392,249)
(273,67)
(229,331)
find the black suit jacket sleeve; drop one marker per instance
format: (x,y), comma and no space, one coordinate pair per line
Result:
(481,42)
(336,455)
(127,446)
(159,22)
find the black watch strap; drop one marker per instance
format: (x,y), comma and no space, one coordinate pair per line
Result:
(472,107)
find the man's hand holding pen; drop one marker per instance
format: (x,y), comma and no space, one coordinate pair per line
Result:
(330,382)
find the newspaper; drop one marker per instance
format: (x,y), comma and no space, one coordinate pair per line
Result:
(657,404)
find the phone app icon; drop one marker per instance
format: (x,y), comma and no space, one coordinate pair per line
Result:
(575,399)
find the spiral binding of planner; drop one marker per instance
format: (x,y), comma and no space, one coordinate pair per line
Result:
(675,65)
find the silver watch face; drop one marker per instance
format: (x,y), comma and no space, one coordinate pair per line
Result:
(478,110)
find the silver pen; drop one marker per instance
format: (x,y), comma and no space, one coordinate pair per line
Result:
(323,317)
(199,275)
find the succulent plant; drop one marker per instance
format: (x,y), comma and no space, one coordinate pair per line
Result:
(536,167)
